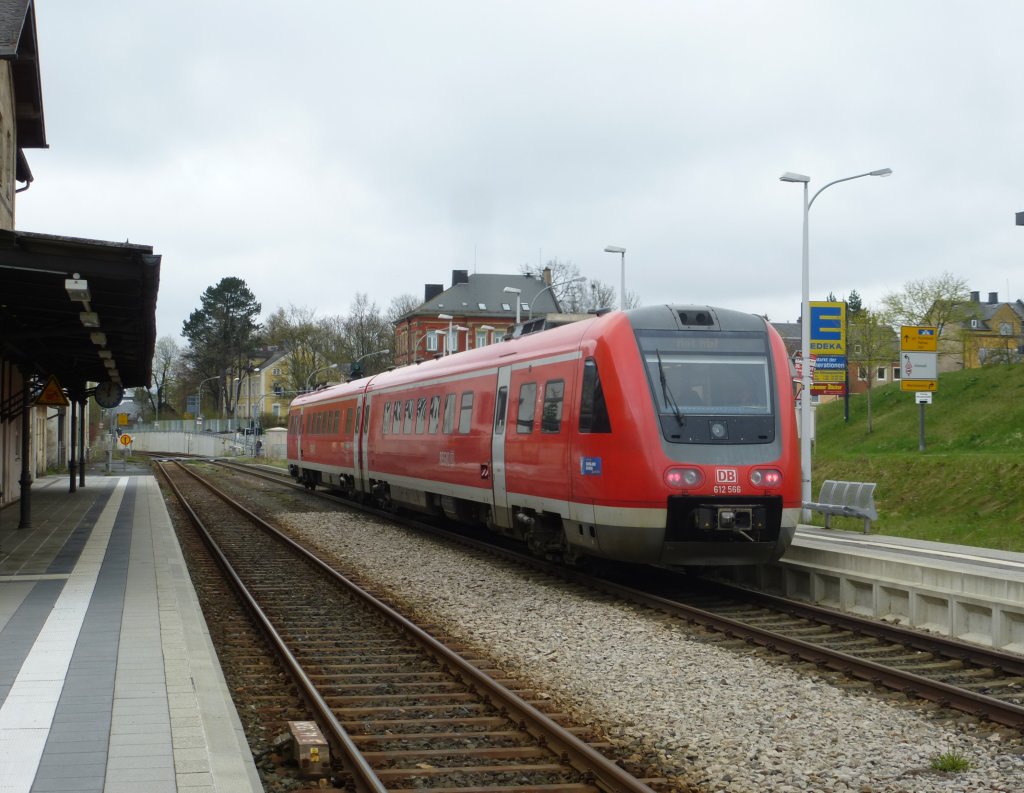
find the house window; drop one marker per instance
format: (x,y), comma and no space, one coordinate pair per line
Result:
(482,306)
(1005,329)
(895,373)
(481,338)
(856,349)
(862,373)
(497,336)
(880,374)
(432,341)
(524,306)
(276,371)
(506,307)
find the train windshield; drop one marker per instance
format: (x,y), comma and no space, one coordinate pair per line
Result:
(693,375)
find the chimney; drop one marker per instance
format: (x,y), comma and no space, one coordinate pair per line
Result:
(430,291)
(460,277)
(546,276)
(975,297)
(993,297)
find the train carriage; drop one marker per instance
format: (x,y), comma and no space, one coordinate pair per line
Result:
(664,435)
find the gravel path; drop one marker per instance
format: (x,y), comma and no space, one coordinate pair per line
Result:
(714,719)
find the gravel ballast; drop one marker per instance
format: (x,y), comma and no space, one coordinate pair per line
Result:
(712,718)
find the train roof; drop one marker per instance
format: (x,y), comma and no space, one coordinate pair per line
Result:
(544,342)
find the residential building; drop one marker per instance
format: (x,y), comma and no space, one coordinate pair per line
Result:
(992,332)
(476,310)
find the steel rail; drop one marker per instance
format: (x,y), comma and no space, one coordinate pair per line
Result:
(907,682)
(579,754)
(352,759)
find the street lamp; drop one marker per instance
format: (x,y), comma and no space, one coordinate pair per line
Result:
(199,393)
(486,329)
(518,293)
(533,302)
(317,371)
(448,338)
(805,333)
(355,370)
(622,252)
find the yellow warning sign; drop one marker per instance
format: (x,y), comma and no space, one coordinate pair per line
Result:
(125,439)
(52,395)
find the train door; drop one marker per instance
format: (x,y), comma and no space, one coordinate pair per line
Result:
(362,476)
(500,495)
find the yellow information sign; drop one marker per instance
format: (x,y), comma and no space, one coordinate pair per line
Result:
(919,338)
(919,385)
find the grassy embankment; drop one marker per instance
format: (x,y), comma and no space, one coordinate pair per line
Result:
(966,487)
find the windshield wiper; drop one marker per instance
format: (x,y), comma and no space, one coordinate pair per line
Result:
(667,392)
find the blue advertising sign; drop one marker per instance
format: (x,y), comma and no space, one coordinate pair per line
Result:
(828,329)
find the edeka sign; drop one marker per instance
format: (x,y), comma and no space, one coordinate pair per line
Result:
(828,328)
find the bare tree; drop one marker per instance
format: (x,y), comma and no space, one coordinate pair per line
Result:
(400,306)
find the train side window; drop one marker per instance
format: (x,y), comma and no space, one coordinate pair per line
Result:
(387,418)
(348,421)
(551,417)
(337,420)
(499,410)
(527,407)
(449,414)
(435,413)
(421,414)
(466,412)
(396,417)
(407,429)
(593,410)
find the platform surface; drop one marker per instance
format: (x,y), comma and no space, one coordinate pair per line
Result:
(108,678)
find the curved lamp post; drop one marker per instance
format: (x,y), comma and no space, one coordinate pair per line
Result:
(529,316)
(518,293)
(315,372)
(199,393)
(805,331)
(622,252)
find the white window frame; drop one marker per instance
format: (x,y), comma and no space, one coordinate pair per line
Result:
(432,340)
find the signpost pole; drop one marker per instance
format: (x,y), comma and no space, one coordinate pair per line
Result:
(920,431)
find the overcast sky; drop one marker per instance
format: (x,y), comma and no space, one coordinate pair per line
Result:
(317,149)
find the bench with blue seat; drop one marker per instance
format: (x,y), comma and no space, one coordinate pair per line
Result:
(847,500)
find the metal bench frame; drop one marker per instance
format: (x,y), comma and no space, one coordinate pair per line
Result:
(846,499)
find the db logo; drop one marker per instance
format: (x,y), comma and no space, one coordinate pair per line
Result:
(726,476)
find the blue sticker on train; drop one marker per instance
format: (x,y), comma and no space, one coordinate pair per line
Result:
(590,466)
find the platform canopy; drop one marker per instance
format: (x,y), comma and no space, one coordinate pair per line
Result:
(82,310)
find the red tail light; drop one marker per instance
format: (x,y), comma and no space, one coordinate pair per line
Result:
(766,477)
(684,477)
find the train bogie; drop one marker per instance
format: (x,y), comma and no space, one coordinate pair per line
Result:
(661,436)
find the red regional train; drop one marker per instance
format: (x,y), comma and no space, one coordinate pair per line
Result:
(663,435)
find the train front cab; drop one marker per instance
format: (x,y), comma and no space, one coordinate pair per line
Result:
(687,447)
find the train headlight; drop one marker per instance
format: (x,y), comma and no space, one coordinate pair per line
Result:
(684,477)
(766,477)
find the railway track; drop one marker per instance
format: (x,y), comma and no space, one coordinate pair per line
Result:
(401,710)
(971,678)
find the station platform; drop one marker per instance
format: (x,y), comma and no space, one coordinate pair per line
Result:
(108,678)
